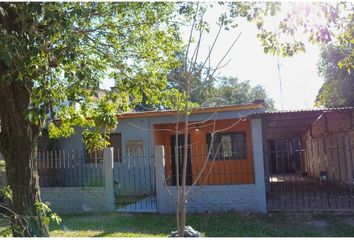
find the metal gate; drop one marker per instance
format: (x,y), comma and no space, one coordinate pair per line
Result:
(317,178)
(134,183)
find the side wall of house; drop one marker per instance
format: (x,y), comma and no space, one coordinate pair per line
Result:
(329,147)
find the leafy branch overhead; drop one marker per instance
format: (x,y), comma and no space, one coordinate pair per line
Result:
(62,52)
(338,87)
(53,57)
(320,22)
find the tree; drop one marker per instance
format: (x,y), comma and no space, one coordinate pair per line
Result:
(338,87)
(214,92)
(52,59)
(320,22)
(174,85)
(186,80)
(230,90)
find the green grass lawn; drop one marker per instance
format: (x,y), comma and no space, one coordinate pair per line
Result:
(212,225)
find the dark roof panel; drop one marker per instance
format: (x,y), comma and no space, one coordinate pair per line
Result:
(299,111)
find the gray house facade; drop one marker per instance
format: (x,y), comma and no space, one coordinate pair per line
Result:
(225,175)
(240,158)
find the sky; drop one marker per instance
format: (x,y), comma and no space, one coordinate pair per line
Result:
(300,80)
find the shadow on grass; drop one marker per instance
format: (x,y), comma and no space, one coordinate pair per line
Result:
(117,224)
(212,225)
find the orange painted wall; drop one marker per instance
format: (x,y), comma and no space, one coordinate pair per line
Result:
(238,171)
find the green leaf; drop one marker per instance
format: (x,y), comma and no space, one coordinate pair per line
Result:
(7,192)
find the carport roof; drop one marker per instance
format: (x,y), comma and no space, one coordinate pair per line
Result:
(287,123)
(265,114)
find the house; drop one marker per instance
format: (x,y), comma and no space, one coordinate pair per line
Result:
(229,164)
(138,132)
(240,157)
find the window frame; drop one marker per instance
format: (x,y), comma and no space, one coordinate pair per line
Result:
(137,144)
(118,159)
(90,159)
(220,154)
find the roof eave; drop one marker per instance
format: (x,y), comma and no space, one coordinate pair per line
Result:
(253,106)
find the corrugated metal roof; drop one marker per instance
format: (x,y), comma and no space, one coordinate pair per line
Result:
(277,124)
(256,105)
(313,110)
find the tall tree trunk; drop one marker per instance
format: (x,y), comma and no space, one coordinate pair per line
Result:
(18,144)
(178,202)
(183,203)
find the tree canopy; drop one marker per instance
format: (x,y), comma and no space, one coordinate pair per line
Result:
(320,22)
(67,49)
(338,87)
(53,57)
(214,91)
(233,91)
(227,91)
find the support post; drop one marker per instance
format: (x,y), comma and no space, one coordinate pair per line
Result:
(257,145)
(160,178)
(108,179)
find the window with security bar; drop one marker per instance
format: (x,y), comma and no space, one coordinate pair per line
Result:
(227,145)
